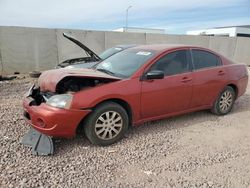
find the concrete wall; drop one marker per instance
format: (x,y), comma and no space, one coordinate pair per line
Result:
(92,39)
(26,49)
(115,38)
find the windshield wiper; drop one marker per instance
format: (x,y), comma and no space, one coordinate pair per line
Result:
(106,71)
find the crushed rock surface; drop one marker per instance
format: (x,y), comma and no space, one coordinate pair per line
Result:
(193,150)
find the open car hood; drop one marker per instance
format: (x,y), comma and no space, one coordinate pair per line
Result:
(49,79)
(92,54)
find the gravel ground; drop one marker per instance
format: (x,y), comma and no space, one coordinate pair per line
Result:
(193,150)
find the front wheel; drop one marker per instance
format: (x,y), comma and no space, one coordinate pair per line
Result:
(106,124)
(224,102)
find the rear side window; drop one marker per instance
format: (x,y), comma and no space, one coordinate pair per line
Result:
(173,63)
(203,59)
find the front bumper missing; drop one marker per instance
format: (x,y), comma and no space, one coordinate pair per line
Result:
(41,144)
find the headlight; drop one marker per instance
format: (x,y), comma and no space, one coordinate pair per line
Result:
(60,101)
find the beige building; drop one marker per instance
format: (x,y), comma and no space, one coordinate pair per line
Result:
(140,30)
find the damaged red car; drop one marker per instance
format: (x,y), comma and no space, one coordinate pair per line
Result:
(139,84)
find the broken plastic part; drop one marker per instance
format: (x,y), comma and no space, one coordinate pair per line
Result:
(41,144)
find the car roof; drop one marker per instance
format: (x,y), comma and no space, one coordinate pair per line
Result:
(161,47)
(125,46)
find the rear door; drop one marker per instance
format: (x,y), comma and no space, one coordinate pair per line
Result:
(172,93)
(209,77)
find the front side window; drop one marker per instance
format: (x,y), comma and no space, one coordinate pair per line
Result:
(173,63)
(203,59)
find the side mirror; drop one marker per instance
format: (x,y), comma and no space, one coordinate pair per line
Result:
(155,74)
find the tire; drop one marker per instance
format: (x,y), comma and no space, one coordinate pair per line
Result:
(34,74)
(224,102)
(107,124)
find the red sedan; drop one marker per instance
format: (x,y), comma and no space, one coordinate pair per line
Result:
(140,84)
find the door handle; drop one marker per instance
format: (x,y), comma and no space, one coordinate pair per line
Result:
(221,72)
(186,79)
(151,80)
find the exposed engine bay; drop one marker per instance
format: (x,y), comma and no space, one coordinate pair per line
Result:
(68,84)
(74,84)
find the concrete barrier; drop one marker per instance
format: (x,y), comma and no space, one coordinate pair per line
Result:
(242,50)
(95,40)
(223,45)
(116,38)
(162,39)
(201,41)
(26,49)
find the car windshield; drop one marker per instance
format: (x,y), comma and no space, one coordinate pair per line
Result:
(109,52)
(125,63)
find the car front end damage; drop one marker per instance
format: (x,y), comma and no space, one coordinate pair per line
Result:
(48,120)
(48,107)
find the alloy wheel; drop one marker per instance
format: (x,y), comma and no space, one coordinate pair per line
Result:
(108,125)
(226,101)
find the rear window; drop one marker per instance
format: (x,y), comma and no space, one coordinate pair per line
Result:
(203,59)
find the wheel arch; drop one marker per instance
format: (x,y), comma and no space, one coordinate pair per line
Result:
(235,88)
(119,101)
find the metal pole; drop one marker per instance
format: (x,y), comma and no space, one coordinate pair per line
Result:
(126,26)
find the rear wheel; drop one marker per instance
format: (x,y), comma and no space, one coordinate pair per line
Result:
(224,102)
(106,124)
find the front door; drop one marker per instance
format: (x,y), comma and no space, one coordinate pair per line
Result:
(172,93)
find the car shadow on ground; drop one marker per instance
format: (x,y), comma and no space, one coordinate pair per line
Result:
(242,104)
(176,122)
(153,127)
(68,145)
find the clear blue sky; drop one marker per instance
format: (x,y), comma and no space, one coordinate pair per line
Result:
(176,16)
